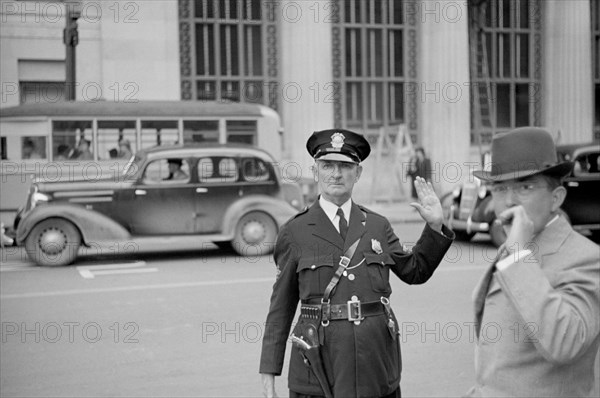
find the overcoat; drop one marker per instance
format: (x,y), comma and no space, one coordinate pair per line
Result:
(537,321)
(360,360)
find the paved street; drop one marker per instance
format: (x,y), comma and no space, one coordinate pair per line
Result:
(190,324)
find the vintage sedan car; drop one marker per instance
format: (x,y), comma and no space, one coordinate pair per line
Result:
(468,208)
(232,195)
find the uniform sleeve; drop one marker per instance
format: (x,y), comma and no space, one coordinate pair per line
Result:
(284,301)
(562,319)
(418,266)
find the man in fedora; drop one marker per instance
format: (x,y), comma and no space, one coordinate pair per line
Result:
(537,307)
(336,258)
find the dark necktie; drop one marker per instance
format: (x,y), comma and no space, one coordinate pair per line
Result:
(343,224)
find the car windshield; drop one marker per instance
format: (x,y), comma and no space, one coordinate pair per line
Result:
(133,165)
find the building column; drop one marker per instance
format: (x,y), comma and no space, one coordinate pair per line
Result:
(567,78)
(305,89)
(443,90)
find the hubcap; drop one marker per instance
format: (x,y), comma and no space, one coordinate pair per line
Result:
(253,232)
(52,241)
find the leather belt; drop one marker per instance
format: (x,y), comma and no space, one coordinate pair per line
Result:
(351,311)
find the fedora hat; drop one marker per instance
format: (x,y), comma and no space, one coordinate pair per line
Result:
(523,152)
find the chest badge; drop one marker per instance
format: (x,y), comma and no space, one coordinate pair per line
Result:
(376,246)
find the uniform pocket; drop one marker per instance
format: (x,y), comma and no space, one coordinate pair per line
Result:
(314,274)
(378,266)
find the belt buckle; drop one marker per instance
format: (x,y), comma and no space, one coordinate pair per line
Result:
(354,311)
(344,261)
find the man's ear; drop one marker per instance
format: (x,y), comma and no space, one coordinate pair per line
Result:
(358,172)
(558,197)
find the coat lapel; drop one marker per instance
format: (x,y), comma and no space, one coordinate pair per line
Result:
(480,293)
(322,227)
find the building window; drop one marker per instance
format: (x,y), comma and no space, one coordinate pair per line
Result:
(370,65)
(228,51)
(595,11)
(504,40)
(41,92)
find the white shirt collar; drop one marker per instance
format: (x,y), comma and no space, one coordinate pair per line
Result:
(330,210)
(551,221)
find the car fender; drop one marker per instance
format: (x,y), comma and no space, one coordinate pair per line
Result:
(93,226)
(281,211)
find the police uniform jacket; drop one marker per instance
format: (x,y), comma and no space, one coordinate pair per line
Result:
(360,360)
(537,321)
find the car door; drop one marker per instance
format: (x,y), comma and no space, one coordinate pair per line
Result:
(217,189)
(163,200)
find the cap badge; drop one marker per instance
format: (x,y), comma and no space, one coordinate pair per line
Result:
(337,141)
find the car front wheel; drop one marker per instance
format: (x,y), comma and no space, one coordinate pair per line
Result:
(53,242)
(255,234)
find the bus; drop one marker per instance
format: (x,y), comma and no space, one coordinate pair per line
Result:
(73,139)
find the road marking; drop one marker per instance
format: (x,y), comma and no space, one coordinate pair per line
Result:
(135,287)
(91,271)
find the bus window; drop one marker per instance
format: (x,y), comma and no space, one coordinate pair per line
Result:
(159,132)
(113,132)
(66,137)
(33,147)
(200,131)
(241,131)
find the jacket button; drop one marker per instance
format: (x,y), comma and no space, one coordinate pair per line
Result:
(351,277)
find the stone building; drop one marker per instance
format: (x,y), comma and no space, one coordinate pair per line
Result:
(451,73)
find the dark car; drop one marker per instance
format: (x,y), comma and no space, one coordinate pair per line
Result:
(469,210)
(231,195)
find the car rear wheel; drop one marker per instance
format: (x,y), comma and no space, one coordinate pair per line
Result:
(255,234)
(53,242)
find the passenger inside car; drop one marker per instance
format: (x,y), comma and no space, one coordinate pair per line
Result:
(175,171)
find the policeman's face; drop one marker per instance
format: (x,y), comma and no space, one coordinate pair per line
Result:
(336,179)
(539,200)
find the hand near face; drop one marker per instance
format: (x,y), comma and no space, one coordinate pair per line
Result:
(429,206)
(519,228)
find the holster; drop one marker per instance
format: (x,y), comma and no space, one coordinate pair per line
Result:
(306,338)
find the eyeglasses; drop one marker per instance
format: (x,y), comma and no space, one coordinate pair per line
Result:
(521,189)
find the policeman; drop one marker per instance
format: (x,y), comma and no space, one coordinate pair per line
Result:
(335,258)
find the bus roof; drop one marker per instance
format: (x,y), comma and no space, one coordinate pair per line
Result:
(135,109)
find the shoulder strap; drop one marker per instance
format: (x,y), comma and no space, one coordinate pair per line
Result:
(343,264)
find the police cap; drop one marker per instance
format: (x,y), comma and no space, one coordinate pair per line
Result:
(338,144)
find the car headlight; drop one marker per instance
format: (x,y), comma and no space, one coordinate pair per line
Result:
(456,192)
(38,197)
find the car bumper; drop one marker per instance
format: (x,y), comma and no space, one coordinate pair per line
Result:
(468,225)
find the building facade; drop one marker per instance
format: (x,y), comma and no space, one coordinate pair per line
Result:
(447,74)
